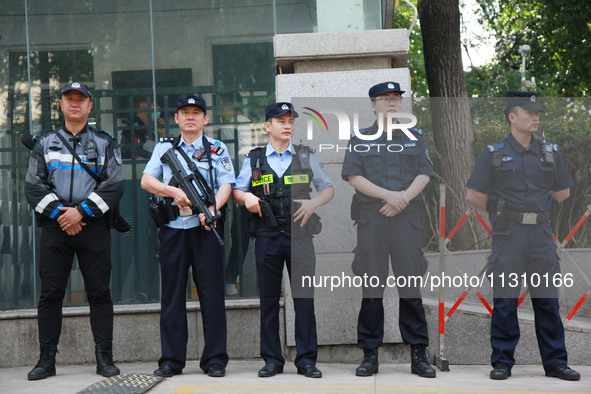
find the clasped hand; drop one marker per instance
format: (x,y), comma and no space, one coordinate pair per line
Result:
(70,221)
(394,203)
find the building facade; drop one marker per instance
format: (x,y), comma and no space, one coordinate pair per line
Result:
(130,53)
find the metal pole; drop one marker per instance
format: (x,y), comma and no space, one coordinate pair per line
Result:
(30,131)
(439,360)
(154,102)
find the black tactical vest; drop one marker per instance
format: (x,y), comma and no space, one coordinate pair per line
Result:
(279,191)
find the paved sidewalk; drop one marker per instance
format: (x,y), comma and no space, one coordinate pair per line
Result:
(242,378)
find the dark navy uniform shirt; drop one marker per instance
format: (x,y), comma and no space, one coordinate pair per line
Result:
(393,169)
(523,179)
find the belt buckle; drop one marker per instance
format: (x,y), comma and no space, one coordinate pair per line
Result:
(529,218)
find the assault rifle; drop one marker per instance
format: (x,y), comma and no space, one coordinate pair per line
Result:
(187,184)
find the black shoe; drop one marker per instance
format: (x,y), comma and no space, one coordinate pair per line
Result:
(46,365)
(270,370)
(216,371)
(370,364)
(501,371)
(104,361)
(310,371)
(564,372)
(166,371)
(419,364)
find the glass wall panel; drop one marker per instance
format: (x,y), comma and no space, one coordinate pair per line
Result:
(221,50)
(226,53)
(83,41)
(17,274)
(305,16)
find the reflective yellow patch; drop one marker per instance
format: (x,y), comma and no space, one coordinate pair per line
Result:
(293,179)
(264,179)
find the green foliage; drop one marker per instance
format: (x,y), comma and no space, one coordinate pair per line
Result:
(416,62)
(559,34)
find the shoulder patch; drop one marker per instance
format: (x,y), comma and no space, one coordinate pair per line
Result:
(417,131)
(109,135)
(554,146)
(117,156)
(495,147)
(166,139)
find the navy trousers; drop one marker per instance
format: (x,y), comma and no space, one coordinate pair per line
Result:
(298,254)
(529,249)
(382,242)
(200,250)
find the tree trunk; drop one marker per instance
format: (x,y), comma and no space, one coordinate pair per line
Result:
(452,127)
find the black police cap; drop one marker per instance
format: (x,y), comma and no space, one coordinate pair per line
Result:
(78,86)
(275,110)
(191,101)
(525,100)
(384,87)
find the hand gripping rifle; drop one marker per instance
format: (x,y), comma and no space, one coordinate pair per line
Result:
(187,184)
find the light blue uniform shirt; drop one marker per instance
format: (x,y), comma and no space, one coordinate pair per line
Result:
(279,163)
(223,171)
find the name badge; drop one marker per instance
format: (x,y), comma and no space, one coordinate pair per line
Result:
(263,179)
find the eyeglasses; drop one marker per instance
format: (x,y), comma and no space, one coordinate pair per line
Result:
(389,100)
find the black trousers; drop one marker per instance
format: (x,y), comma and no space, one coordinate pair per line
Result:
(271,253)
(382,242)
(200,250)
(92,246)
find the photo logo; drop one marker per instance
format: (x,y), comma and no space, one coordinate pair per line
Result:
(394,121)
(316,119)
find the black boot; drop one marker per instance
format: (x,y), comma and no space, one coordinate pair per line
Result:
(419,364)
(104,361)
(46,365)
(370,364)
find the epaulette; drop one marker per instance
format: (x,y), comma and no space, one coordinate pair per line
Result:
(166,139)
(109,135)
(495,147)
(417,131)
(254,150)
(305,147)
(554,146)
(29,140)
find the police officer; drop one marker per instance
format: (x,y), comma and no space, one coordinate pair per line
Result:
(186,241)
(388,177)
(518,180)
(73,211)
(279,176)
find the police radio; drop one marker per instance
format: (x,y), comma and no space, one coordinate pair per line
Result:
(497,158)
(90,150)
(547,155)
(304,156)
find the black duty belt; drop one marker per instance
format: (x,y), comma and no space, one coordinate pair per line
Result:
(373,205)
(529,217)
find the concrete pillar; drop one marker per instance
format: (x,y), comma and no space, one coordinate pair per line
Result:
(341,64)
